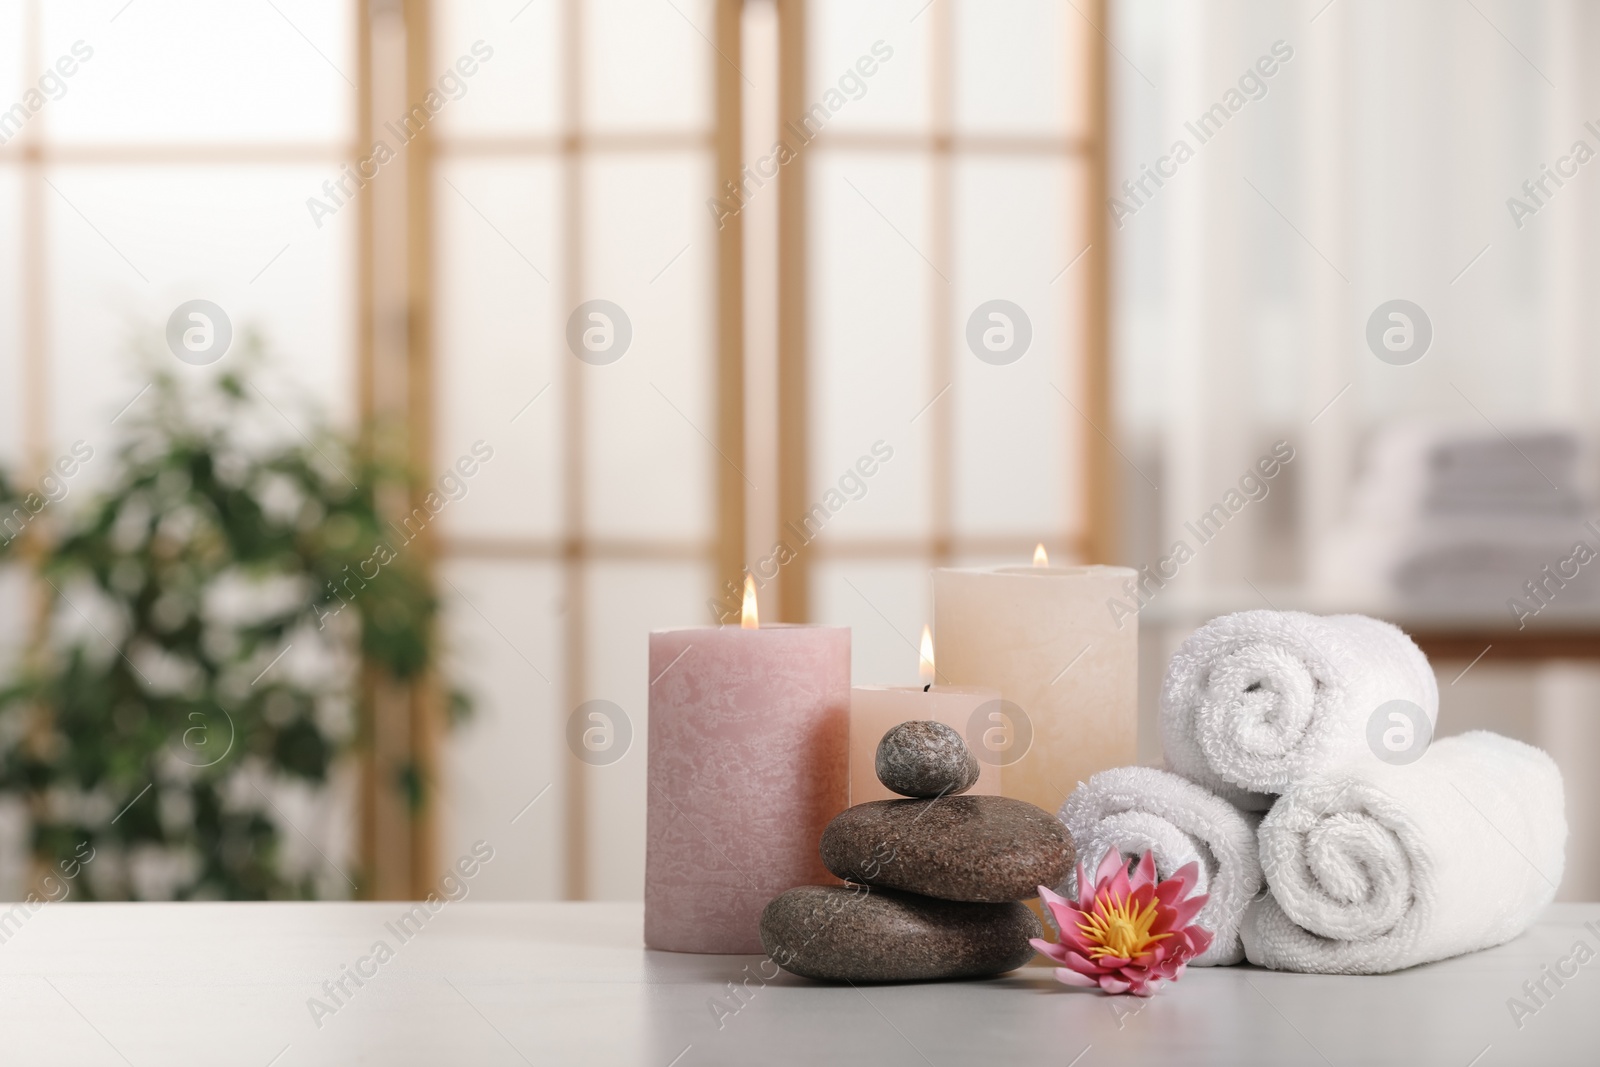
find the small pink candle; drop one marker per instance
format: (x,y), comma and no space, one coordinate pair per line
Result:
(749,749)
(875,709)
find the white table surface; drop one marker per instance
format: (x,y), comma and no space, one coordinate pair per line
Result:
(173,984)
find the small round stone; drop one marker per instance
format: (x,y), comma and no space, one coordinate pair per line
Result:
(925,759)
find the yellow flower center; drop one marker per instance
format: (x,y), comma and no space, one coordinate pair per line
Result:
(1119,929)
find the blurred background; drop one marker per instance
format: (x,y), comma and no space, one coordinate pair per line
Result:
(581,308)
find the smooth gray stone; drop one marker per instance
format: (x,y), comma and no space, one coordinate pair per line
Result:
(925,759)
(858,934)
(973,848)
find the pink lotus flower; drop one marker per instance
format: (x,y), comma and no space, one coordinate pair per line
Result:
(1133,935)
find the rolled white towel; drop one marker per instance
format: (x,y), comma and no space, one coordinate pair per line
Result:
(1143,809)
(1259,700)
(1381,867)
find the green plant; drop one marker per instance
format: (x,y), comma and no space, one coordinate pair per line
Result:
(159,711)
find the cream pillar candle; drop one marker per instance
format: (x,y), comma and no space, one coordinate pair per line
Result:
(1066,669)
(748,762)
(875,709)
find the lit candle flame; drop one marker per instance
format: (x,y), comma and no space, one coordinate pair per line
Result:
(925,661)
(747,613)
(1041,558)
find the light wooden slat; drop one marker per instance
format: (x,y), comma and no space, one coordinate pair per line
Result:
(500,547)
(576,141)
(942,140)
(367,804)
(730,398)
(386,824)
(210,153)
(1019,548)
(425,703)
(402,722)
(447,146)
(483,547)
(794,409)
(1099,455)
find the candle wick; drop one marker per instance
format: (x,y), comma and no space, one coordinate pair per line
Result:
(927,687)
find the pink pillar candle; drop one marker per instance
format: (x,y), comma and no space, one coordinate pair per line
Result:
(876,709)
(748,762)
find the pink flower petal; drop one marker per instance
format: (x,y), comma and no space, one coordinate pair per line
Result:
(1085,888)
(1056,952)
(1069,977)
(1075,938)
(1114,985)
(1047,948)
(1187,909)
(1184,879)
(1061,909)
(1080,964)
(1118,888)
(1064,917)
(1145,873)
(1110,864)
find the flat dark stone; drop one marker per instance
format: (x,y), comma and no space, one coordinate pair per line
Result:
(856,934)
(972,848)
(925,759)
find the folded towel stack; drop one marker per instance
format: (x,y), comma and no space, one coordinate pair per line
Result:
(1372,864)
(1449,516)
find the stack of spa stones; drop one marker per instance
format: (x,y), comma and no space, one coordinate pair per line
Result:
(934,883)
